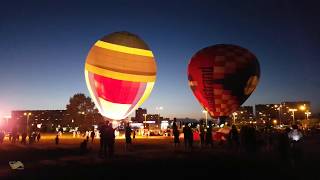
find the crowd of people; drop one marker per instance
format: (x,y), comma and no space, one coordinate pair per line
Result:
(14,137)
(107,139)
(205,134)
(248,139)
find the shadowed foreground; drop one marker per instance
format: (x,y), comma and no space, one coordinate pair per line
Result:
(151,158)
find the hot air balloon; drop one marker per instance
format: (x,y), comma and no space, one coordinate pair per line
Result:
(222,77)
(120,72)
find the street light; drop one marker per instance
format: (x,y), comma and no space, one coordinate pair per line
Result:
(28,115)
(274,121)
(159,108)
(279,109)
(206,114)
(303,107)
(234,114)
(7,118)
(293,110)
(84,117)
(307,114)
(158,111)
(145,122)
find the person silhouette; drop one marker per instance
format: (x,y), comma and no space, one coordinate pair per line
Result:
(1,137)
(190,136)
(284,144)
(110,140)
(134,134)
(185,136)
(128,132)
(176,133)
(92,136)
(83,147)
(234,137)
(295,137)
(102,132)
(202,132)
(38,137)
(24,138)
(209,135)
(57,139)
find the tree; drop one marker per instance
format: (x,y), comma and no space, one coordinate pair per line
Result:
(81,112)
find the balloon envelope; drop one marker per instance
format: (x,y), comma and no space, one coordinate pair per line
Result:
(120,72)
(222,77)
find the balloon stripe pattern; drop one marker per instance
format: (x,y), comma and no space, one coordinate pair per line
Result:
(222,77)
(120,72)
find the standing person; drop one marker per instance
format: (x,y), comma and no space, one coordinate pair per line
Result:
(234,137)
(24,138)
(176,133)
(1,137)
(83,147)
(18,137)
(202,133)
(134,134)
(14,135)
(31,136)
(92,136)
(284,144)
(110,139)
(102,131)
(34,136)
(190,138)
(57,139)
(251,139)
(10,137)
(185,136)
(209,135)
(38,137)
(295,137)
(128,132)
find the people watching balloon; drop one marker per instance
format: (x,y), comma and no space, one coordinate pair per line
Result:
(128,132)
(209,135)
(176,133)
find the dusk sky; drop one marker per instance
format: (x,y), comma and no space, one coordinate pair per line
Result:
(44,45)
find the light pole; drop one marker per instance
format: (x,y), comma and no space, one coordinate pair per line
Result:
(293,110)
(279,110)
(206,114)
(307,115)
(7,118)
(234,117)
(28,115)
(145,121)
(158,112)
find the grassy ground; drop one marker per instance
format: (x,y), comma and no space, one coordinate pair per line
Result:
(150,158)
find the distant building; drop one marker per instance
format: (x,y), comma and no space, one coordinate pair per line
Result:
(267,112)
(153,117)
(45,120)
(140,113)
(244,113)
(299,108)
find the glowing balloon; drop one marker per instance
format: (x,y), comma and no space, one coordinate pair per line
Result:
(120,72)
(222,77)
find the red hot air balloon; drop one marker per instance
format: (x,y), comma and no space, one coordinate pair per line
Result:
(222,77)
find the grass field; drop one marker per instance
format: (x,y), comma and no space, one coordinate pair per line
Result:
(151,158)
